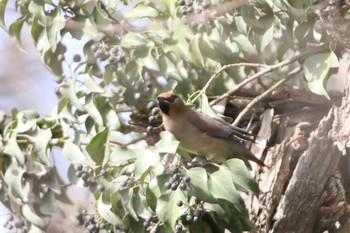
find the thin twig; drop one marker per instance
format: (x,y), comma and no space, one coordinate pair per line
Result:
(197,94)
(291,60)
(266,94)
(214,76)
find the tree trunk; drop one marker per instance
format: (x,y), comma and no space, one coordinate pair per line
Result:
(307,185)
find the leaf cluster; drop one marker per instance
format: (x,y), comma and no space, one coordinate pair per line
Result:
(102,121)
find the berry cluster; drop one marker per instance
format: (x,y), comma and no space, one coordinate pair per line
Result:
(18,224)
(104,51)
(89,221)
(88,181)
(150,224)
(199,23)
(154,116)
(195,211)
(176,180)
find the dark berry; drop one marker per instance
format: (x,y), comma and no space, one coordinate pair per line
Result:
(155,111)
(187,179)
(102,226)
(103,172)
(151,105)
(101,36)
(146,224)
(149,129)
(79,167)
(199,211)
(189,217)
(195,218)
(76,58)
(179,203)
(124,183)
(151,119)
(92,182)
(206,5)
(78,173)
(178,227)
(94,48)
(19,223)
(174,186)
(85,175)
(78,215)
(101,187)
(181,2)
(175,169)
(183,186)
(168,185)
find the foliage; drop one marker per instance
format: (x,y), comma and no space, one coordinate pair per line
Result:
(157,46)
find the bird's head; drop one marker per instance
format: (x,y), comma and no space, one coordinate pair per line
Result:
(169,103)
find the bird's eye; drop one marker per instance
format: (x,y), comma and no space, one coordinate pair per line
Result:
(172,98)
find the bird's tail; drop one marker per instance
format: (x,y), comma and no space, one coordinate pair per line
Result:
(252,157)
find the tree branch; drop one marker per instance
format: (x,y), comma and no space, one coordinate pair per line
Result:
(266,94)
(271,68)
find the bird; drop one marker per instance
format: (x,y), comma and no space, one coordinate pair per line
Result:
(203,135)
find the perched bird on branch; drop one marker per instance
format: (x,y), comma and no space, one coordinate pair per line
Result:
(203,135)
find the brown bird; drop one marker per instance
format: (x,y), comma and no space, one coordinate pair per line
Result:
(203,135)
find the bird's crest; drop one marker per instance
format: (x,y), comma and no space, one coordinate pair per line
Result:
(166,95)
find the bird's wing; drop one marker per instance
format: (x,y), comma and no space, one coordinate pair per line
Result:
(218,128)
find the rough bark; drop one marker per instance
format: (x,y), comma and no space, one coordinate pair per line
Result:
(307,186)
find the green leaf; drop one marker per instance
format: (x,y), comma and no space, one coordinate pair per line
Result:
(170,6)
(12,149)
(198,186)
(206,109)
(41,140)
(266,38)
(132,40)
(98,148)
(13,178)
(141,11)
(155,189)
(48,205)
(146,59)
(68,91)
(121,155)
(104,209)
(221,187)
(33,217)
(168,143)
(84,26)
(54,24)
(109,116)
(241,176)
(3,4)
(195,52)
(167,209)
(92,86)
(149,158)
(72,152)
(92,109)
(15,32)
(316,68)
